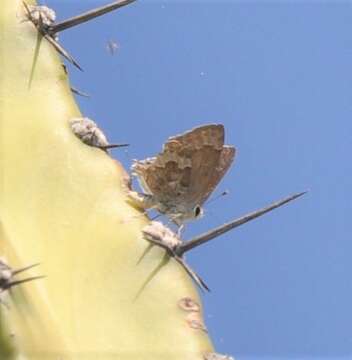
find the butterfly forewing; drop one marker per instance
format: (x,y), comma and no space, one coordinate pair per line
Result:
(165,181)
(209,167)
(196,138)
(188,169)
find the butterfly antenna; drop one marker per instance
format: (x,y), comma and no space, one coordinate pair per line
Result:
(224,193)
(215,198)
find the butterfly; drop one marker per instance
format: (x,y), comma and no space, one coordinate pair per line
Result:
(181,178)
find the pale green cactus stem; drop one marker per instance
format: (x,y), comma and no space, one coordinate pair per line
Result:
(108,293)
(63,204)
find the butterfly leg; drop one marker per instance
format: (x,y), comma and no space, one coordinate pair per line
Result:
(180,230)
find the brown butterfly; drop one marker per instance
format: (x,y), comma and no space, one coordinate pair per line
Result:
(180,179)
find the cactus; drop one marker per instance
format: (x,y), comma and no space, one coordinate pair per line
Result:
(64,204)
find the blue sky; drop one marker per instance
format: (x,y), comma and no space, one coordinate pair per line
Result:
(278,75)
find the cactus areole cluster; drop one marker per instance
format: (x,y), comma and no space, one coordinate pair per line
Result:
(102,280)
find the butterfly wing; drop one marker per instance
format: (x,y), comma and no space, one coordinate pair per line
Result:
(208,168)
(195,152)
(162,177)
(212,135)
(188,169)
(208,158)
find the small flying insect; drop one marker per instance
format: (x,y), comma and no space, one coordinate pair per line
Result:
(112,47)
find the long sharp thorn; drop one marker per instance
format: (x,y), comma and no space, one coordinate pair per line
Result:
(201,239)
(89,15)
(112,146)
(62,51)
(19,282)
(50,39)
(17,271)
(27,10)
(195,277)
(78,92)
